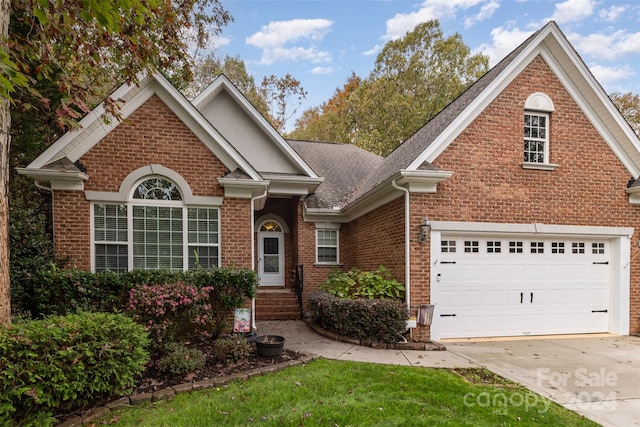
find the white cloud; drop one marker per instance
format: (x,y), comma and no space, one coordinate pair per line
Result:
(572,10)
(486,12)
(278,40)
(218,41)
(609,75)
(322,70)
(504,40)
(609,46)
(400,24)
(612,14)
(374,50)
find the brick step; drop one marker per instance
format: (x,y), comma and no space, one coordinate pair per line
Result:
(280,304)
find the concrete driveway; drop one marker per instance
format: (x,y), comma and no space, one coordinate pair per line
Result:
(597,376)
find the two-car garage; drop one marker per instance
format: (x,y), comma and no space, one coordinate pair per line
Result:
(487,280)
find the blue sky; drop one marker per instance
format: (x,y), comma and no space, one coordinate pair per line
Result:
(320,42)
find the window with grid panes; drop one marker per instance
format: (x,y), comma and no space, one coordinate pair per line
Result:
(536,138)
(327,246)
(161,231)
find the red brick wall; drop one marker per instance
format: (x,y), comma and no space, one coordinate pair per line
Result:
(151,135)
(489,184)
(377,238)
(71,216)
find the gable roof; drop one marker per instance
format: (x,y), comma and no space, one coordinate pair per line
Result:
(424,146)
(290,175)
(255,139)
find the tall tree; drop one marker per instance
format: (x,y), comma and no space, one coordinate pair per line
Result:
(283,96)
(629,105)
(332,121)
(413,79)
(85,46)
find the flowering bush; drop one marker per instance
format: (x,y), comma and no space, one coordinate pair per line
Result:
(172,310)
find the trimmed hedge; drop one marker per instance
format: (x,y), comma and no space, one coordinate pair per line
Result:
(382,320)
(58,291)
(62,363)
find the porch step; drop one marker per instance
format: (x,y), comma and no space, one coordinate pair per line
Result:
(277,304)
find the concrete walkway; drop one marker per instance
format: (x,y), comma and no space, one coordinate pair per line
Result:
(596,376)
(299,337)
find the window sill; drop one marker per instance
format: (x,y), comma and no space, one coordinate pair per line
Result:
(327,264)
(539,166)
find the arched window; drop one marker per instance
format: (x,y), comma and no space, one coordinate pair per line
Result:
(157,189)
(270,226)
(537,117)
(156,229)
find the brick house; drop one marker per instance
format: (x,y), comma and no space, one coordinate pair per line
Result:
(513,212)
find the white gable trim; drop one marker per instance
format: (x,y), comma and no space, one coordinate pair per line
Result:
(223,83)
(543,45)
(94,129)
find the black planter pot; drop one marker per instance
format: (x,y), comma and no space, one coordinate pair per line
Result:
(269,345)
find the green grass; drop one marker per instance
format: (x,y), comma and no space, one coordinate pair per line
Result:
(336,393)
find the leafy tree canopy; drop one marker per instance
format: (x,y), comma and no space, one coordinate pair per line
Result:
(629,105)
(413,79)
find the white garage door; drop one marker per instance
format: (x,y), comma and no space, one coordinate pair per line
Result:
(511,286)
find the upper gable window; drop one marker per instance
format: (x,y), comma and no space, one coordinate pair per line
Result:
(157,189)
(536,138)
(537,131)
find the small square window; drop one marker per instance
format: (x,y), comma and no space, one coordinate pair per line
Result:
(515,247)
(597,248)
(471,246)
(577,247)
(557,247)
(494,247)
(537,247)
(448,246)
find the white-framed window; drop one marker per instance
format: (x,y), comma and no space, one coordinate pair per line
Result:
(536,137)
(327,246)
(448,246)
(155,229)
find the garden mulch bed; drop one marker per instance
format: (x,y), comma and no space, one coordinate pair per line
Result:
(155,385)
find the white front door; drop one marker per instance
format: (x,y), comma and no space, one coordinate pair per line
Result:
(271,258)
(521,285)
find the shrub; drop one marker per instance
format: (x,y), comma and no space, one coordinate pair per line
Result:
(364,284)
(197,304)
(62,363)
(60,291)
(382,320)
(231,349)
(170,311)
(181,360)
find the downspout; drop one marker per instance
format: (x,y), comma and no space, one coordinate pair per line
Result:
(407,246)
(253,253)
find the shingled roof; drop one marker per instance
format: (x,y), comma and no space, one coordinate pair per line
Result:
(343,166)
(409,150)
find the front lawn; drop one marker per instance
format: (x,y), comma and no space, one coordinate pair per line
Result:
(337,393)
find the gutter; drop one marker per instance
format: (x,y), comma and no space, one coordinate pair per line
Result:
(253,253)
(407,247)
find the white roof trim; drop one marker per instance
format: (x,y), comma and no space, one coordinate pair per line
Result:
(540,46)
(149,86)
(223,82)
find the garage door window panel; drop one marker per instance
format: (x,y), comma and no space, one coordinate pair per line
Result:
(471,246)
(515,247)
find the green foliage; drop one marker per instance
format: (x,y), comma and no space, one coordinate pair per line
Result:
(193,305)
(230,349)
(413,79)
(62,363)
(382,320)
(364,284)
(180,360)
(56,291)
